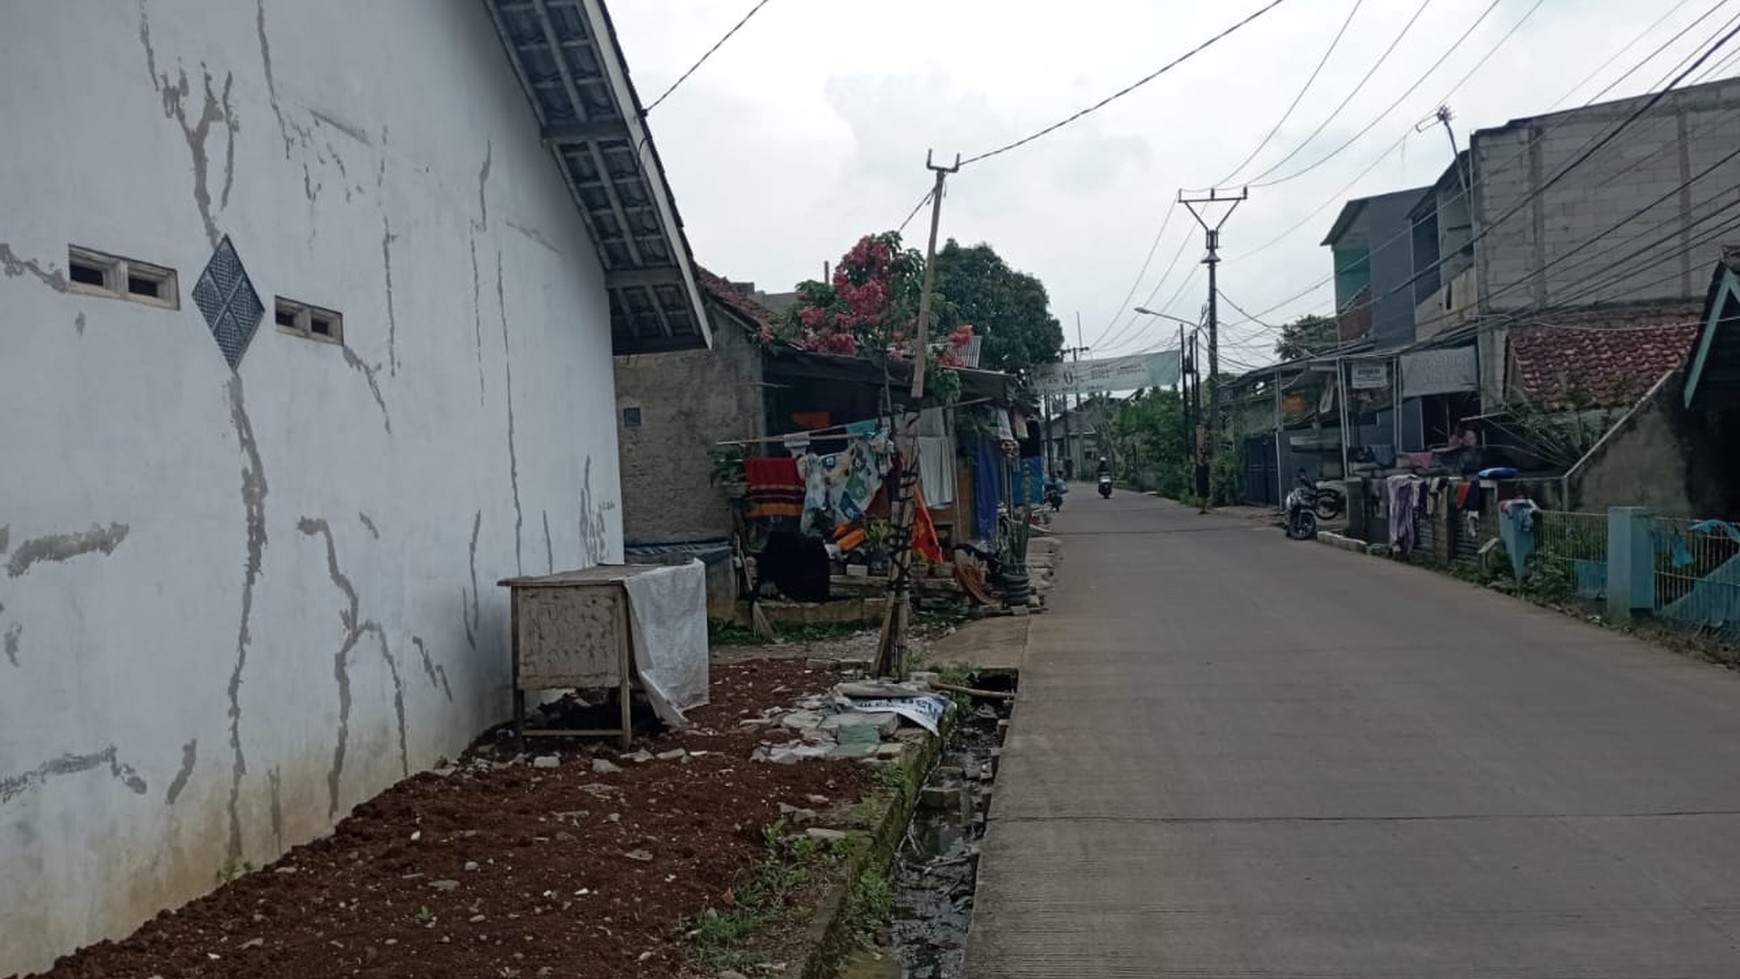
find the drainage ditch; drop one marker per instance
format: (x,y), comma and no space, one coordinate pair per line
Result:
(931,881)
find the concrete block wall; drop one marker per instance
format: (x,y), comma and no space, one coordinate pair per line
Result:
(1531,259)
(688,402)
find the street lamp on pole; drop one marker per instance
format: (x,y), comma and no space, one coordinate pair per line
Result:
(1145,311)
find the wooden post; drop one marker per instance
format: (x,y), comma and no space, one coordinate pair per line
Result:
(891,648)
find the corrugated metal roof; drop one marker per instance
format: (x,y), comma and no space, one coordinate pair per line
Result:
(571,67)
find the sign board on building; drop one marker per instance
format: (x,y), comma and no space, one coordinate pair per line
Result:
(1439,372)
(1155,370)
(1368,377)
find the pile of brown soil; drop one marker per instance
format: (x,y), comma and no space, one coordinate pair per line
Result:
(501,868)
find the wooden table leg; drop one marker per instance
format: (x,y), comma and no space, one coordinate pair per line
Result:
(520,720)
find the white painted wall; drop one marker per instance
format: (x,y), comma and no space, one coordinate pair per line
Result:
(167,709)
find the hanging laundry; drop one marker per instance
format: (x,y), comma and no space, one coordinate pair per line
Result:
(1403,532)
(936,469)
(774,488)
(1018,424)
(812,420)
(1005,427)
(1422,460)
(987,489)
(863,428)
(839,486)
(797,444)
(1516,528)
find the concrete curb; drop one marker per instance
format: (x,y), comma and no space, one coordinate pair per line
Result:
(830,932)
(1341,542)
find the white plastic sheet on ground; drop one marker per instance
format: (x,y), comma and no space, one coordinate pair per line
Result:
(668,613)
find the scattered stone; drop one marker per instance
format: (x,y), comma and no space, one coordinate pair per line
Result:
(604,766)
(547,761)
(728,974)
(474,919)
(792,754)
(894,750)
(859,734)
(471,865)
(880,723)
(284,870)
(444,885)
(826,835)
(861,750)
(640,757)
(671,755)
(817,800)
(253,943)
(597,790)
(801,720)
(797,815)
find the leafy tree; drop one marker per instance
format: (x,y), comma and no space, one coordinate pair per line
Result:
(1009,309)
(1307,336)
(1147,437)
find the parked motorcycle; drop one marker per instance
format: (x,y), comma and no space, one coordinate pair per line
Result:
(1300,516)
(1330,502)
(1105,487)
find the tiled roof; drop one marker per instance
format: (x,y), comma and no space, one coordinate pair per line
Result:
(1599,358)
(734,298)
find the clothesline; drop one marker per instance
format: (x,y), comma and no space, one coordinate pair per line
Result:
(830,430)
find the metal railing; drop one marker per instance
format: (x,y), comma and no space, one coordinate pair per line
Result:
(1697,575)
(1571,549)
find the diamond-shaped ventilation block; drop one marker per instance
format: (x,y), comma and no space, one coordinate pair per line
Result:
(228,302)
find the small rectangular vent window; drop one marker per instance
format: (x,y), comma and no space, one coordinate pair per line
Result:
(308,321)
(97,274)
(631,418)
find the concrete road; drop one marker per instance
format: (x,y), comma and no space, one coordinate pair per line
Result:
(1237,755)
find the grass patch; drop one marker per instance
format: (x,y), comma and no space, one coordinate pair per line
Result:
(724,938)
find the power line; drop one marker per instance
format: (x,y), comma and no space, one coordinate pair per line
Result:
(1619,54)
(922,201)
(1227,180)
(1587,150)
(709,54)
(1350,96)
(1136,318)
(1380,117)
(1398,144)
(1664,45)
(1137,284)
(1126,90)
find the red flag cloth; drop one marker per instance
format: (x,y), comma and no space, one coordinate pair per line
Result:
(924,539)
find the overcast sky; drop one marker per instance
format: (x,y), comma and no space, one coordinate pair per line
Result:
(809,128)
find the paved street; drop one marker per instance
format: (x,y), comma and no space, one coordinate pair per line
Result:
(1236,755)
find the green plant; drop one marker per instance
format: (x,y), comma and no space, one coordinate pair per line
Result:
(772,834)
(1013,536)
(724,633)
(871,900)
(726,466)
(231,871)
(424,917)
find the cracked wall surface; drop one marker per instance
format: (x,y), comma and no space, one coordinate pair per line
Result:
(299,554)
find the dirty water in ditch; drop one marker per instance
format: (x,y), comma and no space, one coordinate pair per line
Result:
(934,872)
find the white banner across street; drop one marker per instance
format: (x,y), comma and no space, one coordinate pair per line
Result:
(1153,370)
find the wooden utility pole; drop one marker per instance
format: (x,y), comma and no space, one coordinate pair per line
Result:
(891,649)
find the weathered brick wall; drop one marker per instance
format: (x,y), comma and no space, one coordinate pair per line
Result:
(688,402)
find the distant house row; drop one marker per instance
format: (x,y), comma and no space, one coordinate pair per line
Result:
(1561,268)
